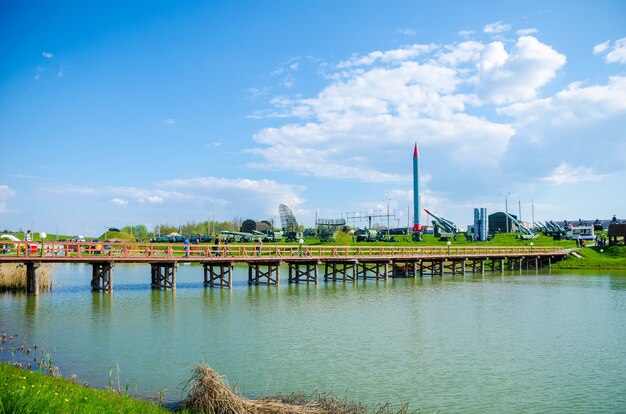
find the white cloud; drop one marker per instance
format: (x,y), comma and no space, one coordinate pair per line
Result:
(518,75)
(575,105)
(566,174)
(466,33)
(378,110)
(601,47)
(6,192)
(389,56)
(463,52)
(38,72)
(407,32)
(156,199)
(169,121)
(242,196)
(526,32)
(496,28)
(246,194)
(47,55)
(119,202)
(618,53)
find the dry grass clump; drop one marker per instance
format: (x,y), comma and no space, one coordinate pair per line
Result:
(13,276)
(211,394)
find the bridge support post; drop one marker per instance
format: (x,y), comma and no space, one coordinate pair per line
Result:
(163,275)
(302,272)
(463,263)
(372,270)
(218,274)
(402,268)
(343,270)
(256,273)
(102,276)
(501,265)
(32,278)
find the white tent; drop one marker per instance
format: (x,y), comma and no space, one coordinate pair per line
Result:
(10,237)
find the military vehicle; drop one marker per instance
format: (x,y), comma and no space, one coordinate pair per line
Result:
(366,235)
(269,236)
(237,236)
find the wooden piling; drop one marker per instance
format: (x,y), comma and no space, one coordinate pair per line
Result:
(303,271)
(163,275)
(344,270)
(218,274)
(32,278)
(263,273)
(102,276)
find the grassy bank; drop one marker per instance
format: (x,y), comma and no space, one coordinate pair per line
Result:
(607,257)
(24,391)
(13,277)
(32,392)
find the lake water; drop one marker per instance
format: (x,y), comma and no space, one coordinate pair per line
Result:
(518,342)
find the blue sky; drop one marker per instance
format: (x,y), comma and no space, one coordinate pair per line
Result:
(117,113)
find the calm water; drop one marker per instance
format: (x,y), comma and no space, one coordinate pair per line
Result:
(513,343)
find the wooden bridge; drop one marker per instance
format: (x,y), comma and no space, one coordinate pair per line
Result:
(340,263)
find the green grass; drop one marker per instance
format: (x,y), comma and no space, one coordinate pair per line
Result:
(611,257)
(24,391)
(116,235)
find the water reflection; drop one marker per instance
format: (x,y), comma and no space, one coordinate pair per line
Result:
(306,289)
(101,305)
(216,297)
(31,309)
(162,301)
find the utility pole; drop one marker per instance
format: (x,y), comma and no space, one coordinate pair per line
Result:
(506,209)
(388,200)
(532,206)
(519,207)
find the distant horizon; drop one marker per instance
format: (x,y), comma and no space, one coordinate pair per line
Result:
(116,114)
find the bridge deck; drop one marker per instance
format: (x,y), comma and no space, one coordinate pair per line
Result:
(341,263)
(86,252)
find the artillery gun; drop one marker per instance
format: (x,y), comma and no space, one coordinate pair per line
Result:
(525,233)
(442,228)
(555,231)
(237,236)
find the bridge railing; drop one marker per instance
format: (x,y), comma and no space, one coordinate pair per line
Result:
(146,251)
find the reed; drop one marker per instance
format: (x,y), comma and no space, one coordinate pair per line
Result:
(13,277)
(211,394)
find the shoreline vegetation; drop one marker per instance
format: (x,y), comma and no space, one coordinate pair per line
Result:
(23,390)
(13,277)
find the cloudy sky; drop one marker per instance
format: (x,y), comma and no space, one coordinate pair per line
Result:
(136,112)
